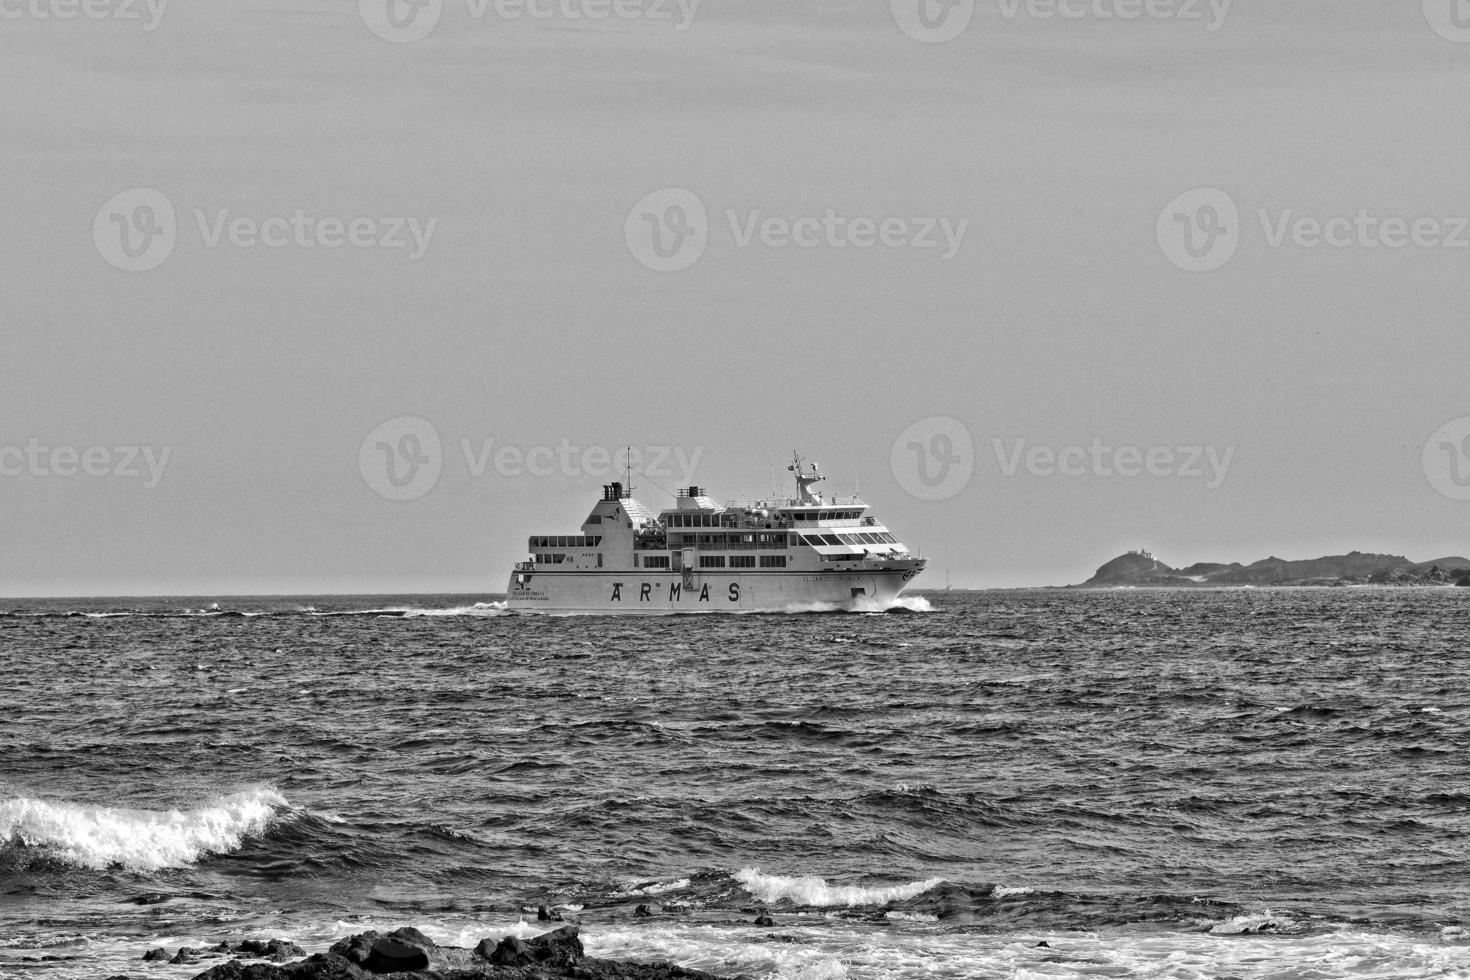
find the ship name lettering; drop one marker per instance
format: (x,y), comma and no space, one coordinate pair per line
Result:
(734,592)
(674,591)
(704,594)
(617,595)
(643,592)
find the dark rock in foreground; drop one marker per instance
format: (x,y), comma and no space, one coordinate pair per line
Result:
(406,953)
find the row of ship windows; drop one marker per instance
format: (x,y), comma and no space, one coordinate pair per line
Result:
(565,541)
(554,558)
(714,520)
(741,561)
(855,538)
(730,542)
(718,561)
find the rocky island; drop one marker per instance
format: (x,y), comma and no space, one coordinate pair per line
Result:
(1140,569)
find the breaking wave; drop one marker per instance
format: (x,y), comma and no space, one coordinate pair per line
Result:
(816,891)
(101,837)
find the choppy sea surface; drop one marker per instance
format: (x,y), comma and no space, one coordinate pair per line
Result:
(1251,783)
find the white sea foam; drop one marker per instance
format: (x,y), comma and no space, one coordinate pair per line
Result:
(1003,891)
(478,609)
(816,891)
(1254,922)
(913,603)
(653,888)
(102,836)
(486,609)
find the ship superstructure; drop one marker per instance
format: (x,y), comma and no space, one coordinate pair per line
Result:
(700,556)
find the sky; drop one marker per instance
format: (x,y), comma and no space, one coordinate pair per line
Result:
(311,296)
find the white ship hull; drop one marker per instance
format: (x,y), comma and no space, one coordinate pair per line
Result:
(659,592)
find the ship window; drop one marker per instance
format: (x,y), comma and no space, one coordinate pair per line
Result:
(831,539)
(711,561)
(889,538)
(773,561)
(742,561)
(656,561)
(595,519)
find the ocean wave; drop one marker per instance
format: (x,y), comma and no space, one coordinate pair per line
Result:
(100,837)
(816,892)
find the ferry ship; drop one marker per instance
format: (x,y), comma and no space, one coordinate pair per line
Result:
(806,551)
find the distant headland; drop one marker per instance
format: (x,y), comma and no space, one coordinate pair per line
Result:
(1142,569)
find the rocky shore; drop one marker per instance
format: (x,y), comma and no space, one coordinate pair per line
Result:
(407,953)
(1140,569)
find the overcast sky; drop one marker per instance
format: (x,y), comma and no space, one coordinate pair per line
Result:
(1176,275)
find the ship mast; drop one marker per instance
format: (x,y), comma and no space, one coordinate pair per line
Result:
(804,482)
